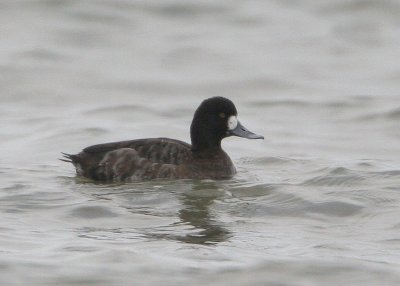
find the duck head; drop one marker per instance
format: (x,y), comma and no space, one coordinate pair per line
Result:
(214,120)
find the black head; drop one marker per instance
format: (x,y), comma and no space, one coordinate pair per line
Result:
(215,119)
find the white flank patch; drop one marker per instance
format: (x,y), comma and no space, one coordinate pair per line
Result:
(232,122)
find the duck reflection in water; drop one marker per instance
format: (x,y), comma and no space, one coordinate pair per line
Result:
(196,212)
(196,223)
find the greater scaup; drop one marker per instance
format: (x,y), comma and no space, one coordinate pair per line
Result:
(164,158)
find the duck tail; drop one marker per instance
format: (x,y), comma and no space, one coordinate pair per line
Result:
(69,158)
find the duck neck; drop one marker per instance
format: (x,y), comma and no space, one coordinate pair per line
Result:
(203,139)
(203,144)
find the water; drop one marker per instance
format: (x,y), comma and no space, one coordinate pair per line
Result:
(316,203)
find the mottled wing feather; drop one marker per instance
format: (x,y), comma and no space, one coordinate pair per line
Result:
(156,150)
(125,164)
(133,160)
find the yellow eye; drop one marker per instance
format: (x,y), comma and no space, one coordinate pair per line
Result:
(222,115)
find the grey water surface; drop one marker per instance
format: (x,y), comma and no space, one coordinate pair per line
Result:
(316,203)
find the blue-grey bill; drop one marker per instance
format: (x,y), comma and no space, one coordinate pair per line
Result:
(242,131)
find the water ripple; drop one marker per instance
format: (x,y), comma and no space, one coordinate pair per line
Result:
(93,212)
(339,176)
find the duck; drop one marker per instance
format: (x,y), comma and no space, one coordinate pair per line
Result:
(169,159)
